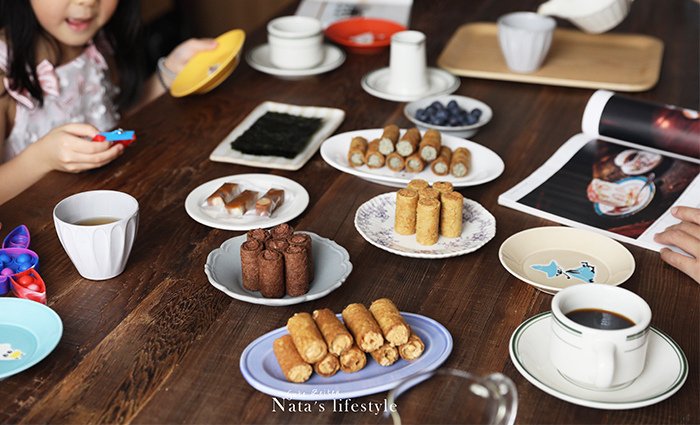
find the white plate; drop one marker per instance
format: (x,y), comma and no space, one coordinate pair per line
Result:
(464,102)
(645,197)
(296,198)
(552,258)
(486,165)
(260,368)
(440,82)
(375,222)
(331,117)
(664,374)
(259,58)
(331,267)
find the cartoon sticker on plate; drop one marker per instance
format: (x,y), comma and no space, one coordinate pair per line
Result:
(585,273)
(9,353)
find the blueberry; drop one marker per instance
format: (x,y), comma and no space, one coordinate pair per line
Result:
(471,119)
(452,105)
(476,112)
(454,121)
(437,106)
(422,115)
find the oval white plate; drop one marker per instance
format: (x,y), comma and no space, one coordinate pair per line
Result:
(375,222)
(440,82)
(260,368)
(331,267)
(296,198)
(259,58)
(486,164)
(464,102)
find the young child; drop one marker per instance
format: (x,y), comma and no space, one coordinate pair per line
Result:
(67,69)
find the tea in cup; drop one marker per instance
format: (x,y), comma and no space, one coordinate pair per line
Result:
(525,38)
(599,335)
(296,42)
(408,72)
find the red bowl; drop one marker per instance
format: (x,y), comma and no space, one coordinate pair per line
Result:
(349,33)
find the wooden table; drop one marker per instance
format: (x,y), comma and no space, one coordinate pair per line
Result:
(159,344)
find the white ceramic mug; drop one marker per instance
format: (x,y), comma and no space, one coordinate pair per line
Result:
(98,251)
(599,358)
(296,42)
(525,38)
(408,73)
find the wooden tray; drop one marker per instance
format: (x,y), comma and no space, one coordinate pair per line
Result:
(623,62)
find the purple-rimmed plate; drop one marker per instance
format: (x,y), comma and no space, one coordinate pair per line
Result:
(260,368)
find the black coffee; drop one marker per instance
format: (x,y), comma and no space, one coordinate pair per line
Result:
(600,319)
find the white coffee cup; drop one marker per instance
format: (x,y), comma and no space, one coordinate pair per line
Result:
(593,357)
(296,42)
(525,38)
(99,251)
(408,74)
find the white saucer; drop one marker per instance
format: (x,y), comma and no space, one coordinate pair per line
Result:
(440,82)
(664,374)
(259,58)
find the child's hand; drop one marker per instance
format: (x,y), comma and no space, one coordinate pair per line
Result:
(66,149)
(686,236)
(178,58)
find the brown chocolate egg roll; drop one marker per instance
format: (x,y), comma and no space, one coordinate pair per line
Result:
(428,193)
(353,360)
(328,366)
(295,369)
(395,161)
(296,270)
(281,231)
(412,349)
(408,144)
(405,215)
(443,188)
(242,203)
(278,245)
(387,143)
(335,333)
(249,264)
(225,193)
(368,334)
(386,355)
(357,151)
(441,165)
(303,239)
(307,338)
(271,274)
(451,215)
(374,158)
(269,202)
(429,147)
(260,235)
(395,329)
(417,184)
(461,162)
(414,163)
(427,221)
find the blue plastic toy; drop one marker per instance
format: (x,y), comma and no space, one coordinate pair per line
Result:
(19,267)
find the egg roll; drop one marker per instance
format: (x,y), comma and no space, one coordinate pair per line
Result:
(443,188)
(249,264)
(357,151)
(281,231)
(451,215)
(414,163)
(417,184)
(271,274)
(260,235)
(441,165)
(427,221)
(374,158)
(429,147)
(386,355)
(387,143)
(307,338)
(334,332)
(352,360)
(405,215)
(412,349)
(303,239)
(408,144)
(295,369)
(296,270)
(368,334)
(225,193)
(461,162)
(328,366)
(278,245)
(395,329)
(395,162)
(428,193)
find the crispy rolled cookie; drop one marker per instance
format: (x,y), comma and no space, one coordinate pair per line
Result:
(451,215)
(281,231)
(395,161)
(260,235)
(241,203)
(461,162)
(396,330)
(295,369)
(296,270)
(415,163)
(352,360)
(387,143)
(428,193)
(357,151)
(270,201)
(427,221)
(271,272)
(405,215)
(386,355)
(417,184)
(328,366)
(441,165)
(278,245)
(374,158)
(409,142)
(443,188)
(368,334)
(335,333)
(429,147)
(225,193)
(307,338)
(249,264)
(303,239)
(412,349)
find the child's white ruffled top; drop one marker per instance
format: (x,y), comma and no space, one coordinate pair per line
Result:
(78,91)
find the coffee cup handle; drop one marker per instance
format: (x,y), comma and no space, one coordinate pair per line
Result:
(605,363)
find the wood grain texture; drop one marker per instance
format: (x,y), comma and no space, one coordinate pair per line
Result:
(158,344)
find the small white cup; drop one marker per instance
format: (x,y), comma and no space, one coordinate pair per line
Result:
(595,358)
(99,251)
(408,74)
(525,38)
(296,42)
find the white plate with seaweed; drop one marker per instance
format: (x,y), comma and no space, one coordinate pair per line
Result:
(331,118)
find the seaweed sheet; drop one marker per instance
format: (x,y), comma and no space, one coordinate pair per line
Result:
(277,134)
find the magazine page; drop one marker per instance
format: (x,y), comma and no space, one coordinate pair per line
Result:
(329,11)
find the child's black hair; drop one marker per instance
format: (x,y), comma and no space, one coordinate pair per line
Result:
(122,32)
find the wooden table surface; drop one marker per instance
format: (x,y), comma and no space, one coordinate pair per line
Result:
(159,344)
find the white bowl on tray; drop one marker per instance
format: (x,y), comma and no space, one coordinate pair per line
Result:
(464,102)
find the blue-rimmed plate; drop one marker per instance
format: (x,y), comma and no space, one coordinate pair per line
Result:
(375,222)
(260,368)
(29,331)
(647,191)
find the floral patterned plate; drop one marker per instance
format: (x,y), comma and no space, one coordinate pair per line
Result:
(375,222)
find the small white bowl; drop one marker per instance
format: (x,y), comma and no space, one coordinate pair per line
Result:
(464,102)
